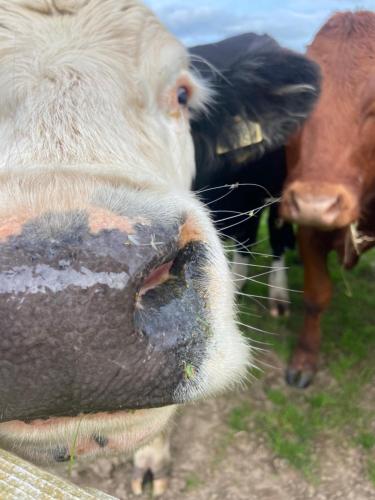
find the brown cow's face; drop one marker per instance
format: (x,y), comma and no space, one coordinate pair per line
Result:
(331,161)
(115,294)
(324,185)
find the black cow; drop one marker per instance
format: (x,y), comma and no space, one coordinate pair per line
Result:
(236,147)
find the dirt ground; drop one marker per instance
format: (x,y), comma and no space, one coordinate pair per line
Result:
(212,462)
(229,448)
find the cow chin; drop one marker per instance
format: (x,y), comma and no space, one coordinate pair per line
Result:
(57,440)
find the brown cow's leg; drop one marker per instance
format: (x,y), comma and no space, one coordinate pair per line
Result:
(314,247)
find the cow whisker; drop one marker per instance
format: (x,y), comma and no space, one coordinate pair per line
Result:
(235,224)
(258,349)
(247,252)
(241,245)
(244,245)
(256,265)
(266,344)
(255,328)
(264,240)
(265,364)
(227,211)
(270,202)
(260,297)
(152,244)
(238,214)
(259,304)
(272,270)
(233,186)
(250,377)
(247,247)
(251,278)
(230,188)
(231,248)
(251,315)
(275,286)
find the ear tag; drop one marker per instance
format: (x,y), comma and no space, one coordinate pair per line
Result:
(247,133)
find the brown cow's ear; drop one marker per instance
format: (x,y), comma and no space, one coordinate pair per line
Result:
(272,87)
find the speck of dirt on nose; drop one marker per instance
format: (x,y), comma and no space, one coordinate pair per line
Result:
(101,441)
(189,371)
(61,454)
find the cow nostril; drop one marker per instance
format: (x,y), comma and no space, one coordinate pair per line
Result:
(100,440)
(156,277)
(336,204)
(61,454)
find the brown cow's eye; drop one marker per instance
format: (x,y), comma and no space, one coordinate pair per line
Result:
(183,96)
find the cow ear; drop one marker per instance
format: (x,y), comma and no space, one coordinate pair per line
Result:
(263,97)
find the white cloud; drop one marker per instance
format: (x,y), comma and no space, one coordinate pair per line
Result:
(293,25)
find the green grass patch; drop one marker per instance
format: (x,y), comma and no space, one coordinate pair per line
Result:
(277,397)
(239,418)
(289,433)
(366,440)
(293,421)
(193,482)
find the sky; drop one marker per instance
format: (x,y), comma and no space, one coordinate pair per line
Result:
(292,23)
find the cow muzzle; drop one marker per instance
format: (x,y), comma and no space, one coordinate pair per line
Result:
(321,205)
(99,313)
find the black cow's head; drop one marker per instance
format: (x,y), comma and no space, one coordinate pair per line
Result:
(262,92)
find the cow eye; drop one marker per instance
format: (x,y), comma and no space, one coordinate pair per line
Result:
(183,96)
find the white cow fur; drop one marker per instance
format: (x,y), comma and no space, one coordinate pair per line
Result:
(278,288)
(88,89)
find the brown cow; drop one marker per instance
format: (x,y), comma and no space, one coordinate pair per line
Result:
(330,190)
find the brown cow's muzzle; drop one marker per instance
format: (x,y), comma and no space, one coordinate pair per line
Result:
(323,205)
(98,313)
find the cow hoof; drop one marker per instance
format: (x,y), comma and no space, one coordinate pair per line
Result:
(280,311)
(299,378)
(152,464)
(142,476)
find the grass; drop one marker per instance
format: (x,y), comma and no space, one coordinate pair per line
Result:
(294,420)
(193,482)
(73,448)
(238,418)
(189,371)
(289,431)
(366,440)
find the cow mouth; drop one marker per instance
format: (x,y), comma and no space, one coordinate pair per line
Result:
(64,439)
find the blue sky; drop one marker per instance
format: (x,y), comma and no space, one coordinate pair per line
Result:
(292,22)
